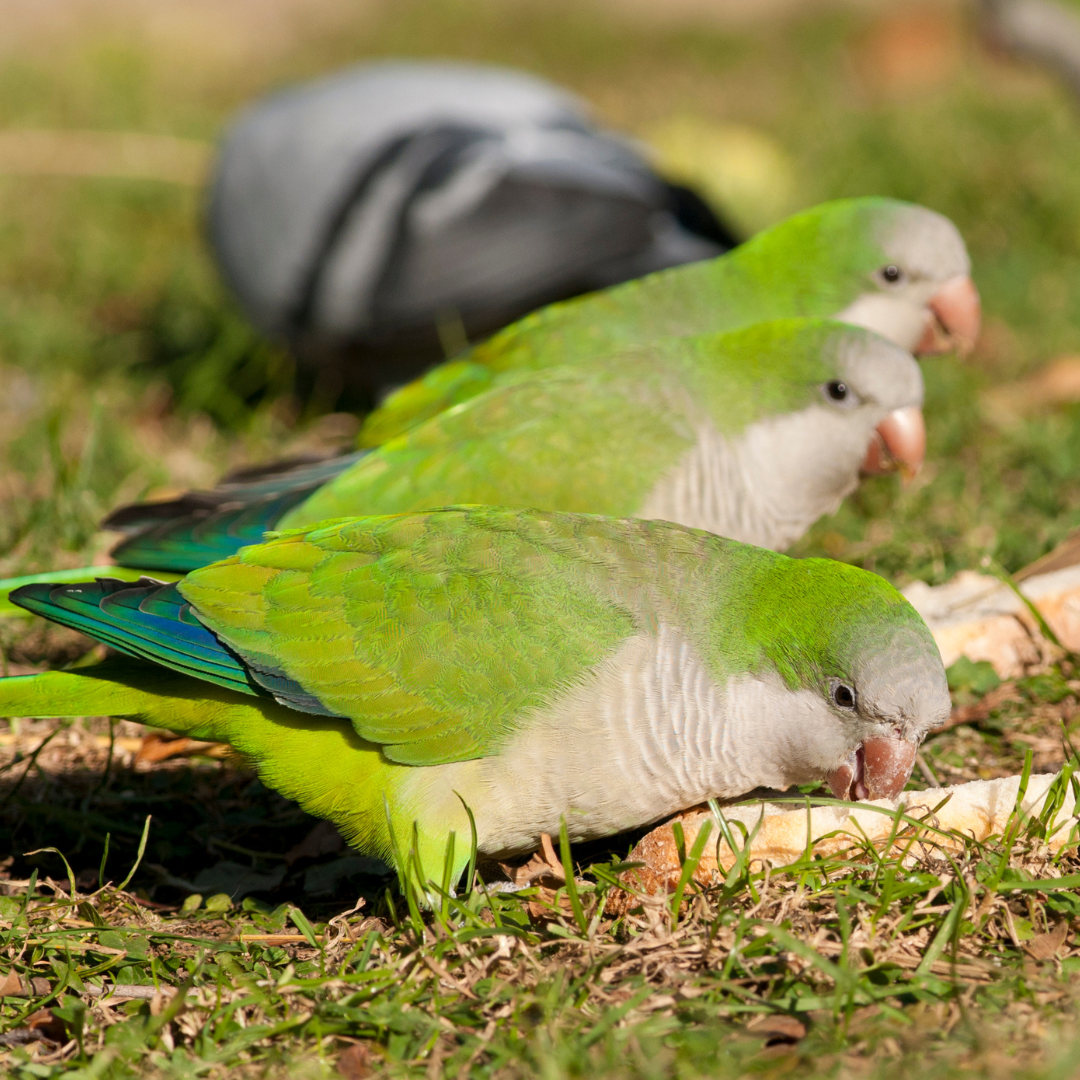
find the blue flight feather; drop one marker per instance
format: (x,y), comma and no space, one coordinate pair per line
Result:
(152,621)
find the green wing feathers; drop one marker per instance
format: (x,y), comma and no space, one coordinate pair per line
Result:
(588,440)
(432,634)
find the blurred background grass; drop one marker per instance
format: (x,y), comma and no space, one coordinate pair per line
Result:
(126,369)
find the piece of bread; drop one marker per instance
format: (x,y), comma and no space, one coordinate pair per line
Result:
(980,617)
(780,834)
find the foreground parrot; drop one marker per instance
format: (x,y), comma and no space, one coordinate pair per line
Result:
(754,435)
(535,667)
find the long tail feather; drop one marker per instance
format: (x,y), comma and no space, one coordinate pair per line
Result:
(202,527)
(62,577)
(152,621)
(148,620)
(318,761)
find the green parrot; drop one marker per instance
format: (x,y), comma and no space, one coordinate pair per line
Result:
(890,266)
(534,667)
(753,434)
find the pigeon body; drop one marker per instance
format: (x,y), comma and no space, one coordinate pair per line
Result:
(536,667)
(753,435)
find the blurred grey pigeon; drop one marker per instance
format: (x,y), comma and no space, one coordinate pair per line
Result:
(1042,31)
(378,218)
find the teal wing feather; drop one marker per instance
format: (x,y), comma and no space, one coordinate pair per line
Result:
(201,527)
(144,619)
(150,620)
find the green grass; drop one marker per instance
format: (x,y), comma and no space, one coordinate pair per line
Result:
(125,369)
(828,964)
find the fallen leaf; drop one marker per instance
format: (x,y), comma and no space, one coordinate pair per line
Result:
(1066,554)
(14,986)
(543,868)
(357,1062)
(777,1028)
(156,747)
(1045,946)
(1057,383)
(49,1025)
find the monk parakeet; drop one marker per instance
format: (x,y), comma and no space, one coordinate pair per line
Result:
(896,268)
(752,434)
(891,266)
(533,666)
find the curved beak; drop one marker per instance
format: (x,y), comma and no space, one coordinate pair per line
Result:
(955,318)
(878,769)
(898,443)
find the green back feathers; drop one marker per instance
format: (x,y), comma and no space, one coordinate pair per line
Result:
(593,438)
(813,264)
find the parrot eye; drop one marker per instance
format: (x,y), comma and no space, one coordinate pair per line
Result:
(843,696)
(837,390)
(891,274)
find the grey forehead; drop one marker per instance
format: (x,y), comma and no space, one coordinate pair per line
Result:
(904,680)
(924,243)
(877,369)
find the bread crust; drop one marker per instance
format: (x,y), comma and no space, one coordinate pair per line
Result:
(779,834)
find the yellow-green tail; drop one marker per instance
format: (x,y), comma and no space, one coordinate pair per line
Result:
(318,761)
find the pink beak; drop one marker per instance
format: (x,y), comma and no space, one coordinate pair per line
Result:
(955,318)
(899,443)
(878,769)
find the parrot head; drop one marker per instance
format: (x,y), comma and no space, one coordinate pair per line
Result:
(887,691)
(866,670)
(886,703)
(893,267)
(849,403)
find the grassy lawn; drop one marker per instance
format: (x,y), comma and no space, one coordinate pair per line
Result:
(125,370)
